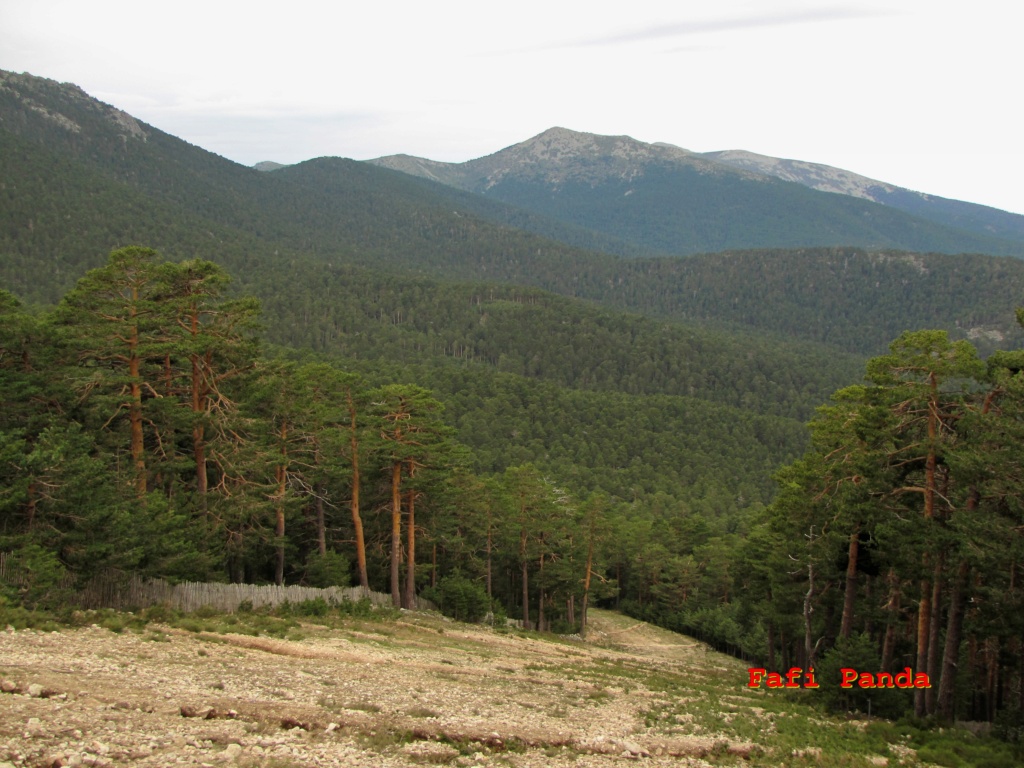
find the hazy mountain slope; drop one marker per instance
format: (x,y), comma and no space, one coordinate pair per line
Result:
(970,217)
(81,178)
(847,297)
(661,197)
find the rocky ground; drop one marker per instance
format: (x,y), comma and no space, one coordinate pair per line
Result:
(409,691)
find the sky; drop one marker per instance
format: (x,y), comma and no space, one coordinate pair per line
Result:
(923,94)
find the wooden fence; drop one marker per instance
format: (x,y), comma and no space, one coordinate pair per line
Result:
(126,592)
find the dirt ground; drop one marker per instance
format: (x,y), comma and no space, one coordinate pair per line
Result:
(413,691)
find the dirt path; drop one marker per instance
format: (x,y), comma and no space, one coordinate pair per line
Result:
(614,630)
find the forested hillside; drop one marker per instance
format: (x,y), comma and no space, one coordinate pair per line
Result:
(82,178)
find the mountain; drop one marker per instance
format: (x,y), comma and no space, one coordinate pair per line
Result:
(971,217)
(268,165)
(662,198)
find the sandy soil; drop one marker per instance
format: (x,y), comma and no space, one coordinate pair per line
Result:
(419,690)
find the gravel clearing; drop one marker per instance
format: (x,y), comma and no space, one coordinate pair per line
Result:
(419,690)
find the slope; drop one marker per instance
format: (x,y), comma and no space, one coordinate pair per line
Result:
(664,198)
(969,217)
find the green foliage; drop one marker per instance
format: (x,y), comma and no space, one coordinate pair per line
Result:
(331,569)
(857,652)
(40,580)
(459,597)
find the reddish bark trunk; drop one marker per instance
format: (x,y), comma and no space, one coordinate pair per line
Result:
(396,532)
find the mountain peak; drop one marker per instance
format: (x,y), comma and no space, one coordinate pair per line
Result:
(562,145)
(67,106)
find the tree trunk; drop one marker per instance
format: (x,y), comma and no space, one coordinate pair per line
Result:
(396,532)
(808,610)
(410,553)
(357,519)
(851,584)
(198,410)
(924,619)
(525,579)
(933,636)
(138,448)
(321,524)
(893,607)
(954,634)
(540,602)
(586,587)
(490,594)
(282,487)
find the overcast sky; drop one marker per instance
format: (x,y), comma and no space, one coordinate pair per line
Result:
(920,93)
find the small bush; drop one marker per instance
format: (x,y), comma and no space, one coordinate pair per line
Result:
(315,607)
(359,609)
(161,613)
(460,598)
(857,652)
(328,570)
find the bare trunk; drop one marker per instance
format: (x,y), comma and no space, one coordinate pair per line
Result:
(357,518)
(198,429)
(851,585)
(282,488)
(954,635)
(525,579)
(933,636)
(138,448)
(586,586)
(808,610)
(924,609)
(396,532)
(924,619)
(32,505)
(893,607)
(541,627)
(321,524)
(410,553)
(490,594)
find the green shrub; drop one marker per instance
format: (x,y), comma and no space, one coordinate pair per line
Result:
(461,598)
(328,570)
(161,613)
(857,652)
(315,607)
(359,609)
(41,579)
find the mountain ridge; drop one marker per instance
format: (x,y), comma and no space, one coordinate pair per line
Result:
(562,173)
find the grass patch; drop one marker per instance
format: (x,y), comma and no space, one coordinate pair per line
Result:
(422,712)
(362,706)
